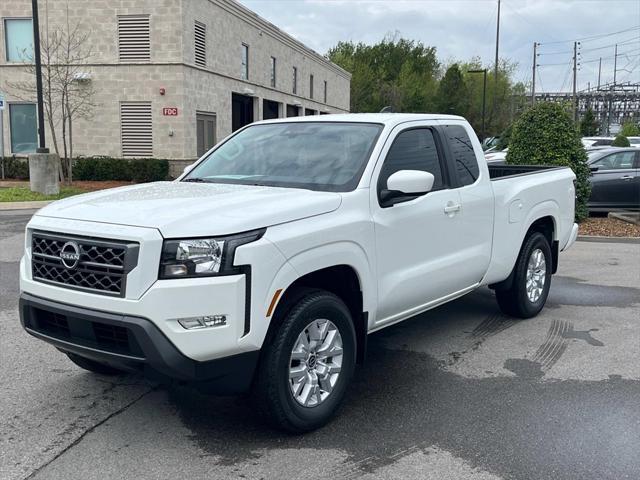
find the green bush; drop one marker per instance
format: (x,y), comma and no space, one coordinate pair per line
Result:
(630,129)
(545,134)
(107,168)
(620,141)
(15,168)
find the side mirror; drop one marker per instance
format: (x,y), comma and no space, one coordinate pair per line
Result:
(405,185)
(594,168)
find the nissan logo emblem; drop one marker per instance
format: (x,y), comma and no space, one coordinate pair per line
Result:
(70,255)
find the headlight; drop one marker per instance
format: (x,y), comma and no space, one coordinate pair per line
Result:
(202,257)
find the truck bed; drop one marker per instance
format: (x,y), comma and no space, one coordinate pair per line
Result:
(499,172)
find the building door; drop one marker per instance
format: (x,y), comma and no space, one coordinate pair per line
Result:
(293,111)
(205,131)
(241,111)
(270,109)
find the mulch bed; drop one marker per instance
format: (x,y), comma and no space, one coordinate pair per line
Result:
(609,227)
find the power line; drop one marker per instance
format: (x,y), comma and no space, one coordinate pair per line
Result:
(624,42)
(592,38)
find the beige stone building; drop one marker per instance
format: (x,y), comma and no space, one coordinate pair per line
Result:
(171,77)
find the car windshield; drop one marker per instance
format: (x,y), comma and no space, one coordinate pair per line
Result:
(329,156)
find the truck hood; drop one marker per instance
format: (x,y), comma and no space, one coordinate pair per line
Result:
(181,209)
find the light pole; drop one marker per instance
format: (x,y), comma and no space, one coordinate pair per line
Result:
(42,148)
(484,97)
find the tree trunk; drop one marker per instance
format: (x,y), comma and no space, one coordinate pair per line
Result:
(64,134)
(70,164)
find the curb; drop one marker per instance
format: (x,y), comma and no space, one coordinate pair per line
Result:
(24,205)
(597,239)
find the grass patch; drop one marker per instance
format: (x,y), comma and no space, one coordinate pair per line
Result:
(23,194)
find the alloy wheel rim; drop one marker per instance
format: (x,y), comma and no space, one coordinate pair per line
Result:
(315,363)
(536,275)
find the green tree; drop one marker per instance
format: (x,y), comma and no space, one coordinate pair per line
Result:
(589,125)
(630,129)
(394,72)
(453,97)
(545,134)
(620,141)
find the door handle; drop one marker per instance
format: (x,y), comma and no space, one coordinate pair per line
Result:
(626,177)
(451,208)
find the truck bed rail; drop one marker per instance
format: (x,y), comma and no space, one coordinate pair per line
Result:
(499,172)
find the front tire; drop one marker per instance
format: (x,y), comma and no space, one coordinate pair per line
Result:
(531,279)
(306,368)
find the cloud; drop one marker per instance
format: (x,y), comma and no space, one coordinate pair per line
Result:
(462,29)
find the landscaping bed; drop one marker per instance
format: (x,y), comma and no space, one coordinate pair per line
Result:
(608,227)
(18,191)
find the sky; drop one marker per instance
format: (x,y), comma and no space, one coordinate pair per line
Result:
(462,29)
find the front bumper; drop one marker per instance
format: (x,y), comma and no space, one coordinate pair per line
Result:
(131,343)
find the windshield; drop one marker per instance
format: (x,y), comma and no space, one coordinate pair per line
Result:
(328,156)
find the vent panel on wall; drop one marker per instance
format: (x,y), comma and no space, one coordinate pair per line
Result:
(200,44)
(135,129)
(134,44)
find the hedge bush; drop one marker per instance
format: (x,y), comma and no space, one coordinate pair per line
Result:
(545,134)
(620,141)
(106,168)
(15,168)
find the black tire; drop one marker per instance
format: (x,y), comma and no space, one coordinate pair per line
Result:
(93,366)
(515,301)
(272,387)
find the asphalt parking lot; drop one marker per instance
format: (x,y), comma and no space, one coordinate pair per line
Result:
(460,392)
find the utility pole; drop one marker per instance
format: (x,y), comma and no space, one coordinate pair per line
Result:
(495,73)
(42,148)
(575,70)
(533,83)
(484,99)
(615,65)
(599,71)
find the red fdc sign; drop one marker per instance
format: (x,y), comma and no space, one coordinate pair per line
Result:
(170,111)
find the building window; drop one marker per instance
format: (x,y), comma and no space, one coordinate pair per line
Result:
(200,32)
(295,80)
(273,72)
(325,91)
(24,127)
(135,129)
(18,39)
(310,86)
(134,42)
(244,74)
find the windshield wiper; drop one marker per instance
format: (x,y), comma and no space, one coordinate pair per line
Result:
(195,180)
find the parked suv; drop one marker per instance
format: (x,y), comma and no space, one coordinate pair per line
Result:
(265,266)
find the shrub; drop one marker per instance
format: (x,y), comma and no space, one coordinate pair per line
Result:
(620,141)
(107,168)
(15,168)
(545,134)
(630,129)
(589,126)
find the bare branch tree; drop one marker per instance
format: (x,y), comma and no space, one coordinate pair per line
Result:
(67,91)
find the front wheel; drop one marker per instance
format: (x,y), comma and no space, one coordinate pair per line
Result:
(305,370)
(531,279)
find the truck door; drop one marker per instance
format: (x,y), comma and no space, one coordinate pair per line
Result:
(421,244)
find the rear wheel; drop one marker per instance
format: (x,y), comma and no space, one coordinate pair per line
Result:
(93,366)
(304,373)
(531,279)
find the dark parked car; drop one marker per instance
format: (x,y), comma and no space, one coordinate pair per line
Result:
(615,179)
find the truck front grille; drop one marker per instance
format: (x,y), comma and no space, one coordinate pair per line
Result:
(82,263)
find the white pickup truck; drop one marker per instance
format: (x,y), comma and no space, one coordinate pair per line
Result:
(267,263)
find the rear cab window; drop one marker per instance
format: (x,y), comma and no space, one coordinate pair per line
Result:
(462,153)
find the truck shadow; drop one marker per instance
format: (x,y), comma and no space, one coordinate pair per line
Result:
(403,400)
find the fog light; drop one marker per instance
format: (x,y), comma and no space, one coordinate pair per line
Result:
(175,270)
(193,323)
